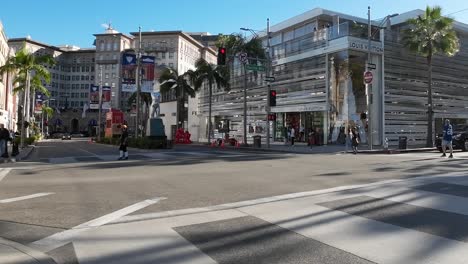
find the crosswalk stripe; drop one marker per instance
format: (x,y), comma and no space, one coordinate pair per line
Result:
(369,239)
(21,198)
(62,238)
(4,172)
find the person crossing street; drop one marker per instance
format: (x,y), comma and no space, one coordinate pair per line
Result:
(123,143)
(447,138)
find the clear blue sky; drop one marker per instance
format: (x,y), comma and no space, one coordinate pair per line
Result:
(59,22)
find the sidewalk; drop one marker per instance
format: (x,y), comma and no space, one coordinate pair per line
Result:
(12,252)
(23,154)
(302,148)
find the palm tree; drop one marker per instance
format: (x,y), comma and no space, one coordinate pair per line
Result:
(428,35)
(234,44)
(31,71)
(211,74)
(170,80)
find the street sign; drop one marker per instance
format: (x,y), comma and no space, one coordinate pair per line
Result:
(269,79)
(253,67)
(371,66)
(368,77)
(243,57)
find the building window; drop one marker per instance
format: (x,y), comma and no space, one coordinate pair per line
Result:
(163,55)
(113,75)
(108,46)
(101,44)
(113,84)
(171,55)
(171,65)
(107,76)
(116,46)
(114,66)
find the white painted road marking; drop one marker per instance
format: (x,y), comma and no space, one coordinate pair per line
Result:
(235,205)
(4,172)
(59,239)
(25,197)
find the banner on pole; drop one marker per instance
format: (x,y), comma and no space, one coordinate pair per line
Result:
(129,68)
(106,97)
(38,103)
(94,97)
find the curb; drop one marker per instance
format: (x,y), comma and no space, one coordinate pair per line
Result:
(31,253)
(25,153)
(380,151)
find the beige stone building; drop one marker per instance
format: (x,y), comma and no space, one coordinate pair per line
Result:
(8,102)
(78,69)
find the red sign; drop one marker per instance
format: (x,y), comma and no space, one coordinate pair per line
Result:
(368,77)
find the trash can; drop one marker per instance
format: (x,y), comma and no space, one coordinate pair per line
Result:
(257,141)
(402,142)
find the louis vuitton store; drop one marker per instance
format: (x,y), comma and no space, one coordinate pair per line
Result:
(318,61)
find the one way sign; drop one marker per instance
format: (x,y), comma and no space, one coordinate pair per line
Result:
(269,79)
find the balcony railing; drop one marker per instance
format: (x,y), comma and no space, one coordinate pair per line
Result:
(320,38)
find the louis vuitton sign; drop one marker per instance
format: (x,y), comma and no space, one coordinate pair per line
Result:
(363,46)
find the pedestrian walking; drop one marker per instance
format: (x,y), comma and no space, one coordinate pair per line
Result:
(355,139)
(123,143)
(302,133)
(4,137)
(293,135)
(447,138)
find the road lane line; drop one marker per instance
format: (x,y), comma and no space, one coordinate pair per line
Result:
(4,172)
(89,152)
(59,239)
(21,198)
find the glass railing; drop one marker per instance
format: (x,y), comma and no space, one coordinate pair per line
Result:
(354,30)
(320,38)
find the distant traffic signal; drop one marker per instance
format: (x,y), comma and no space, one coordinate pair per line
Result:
(273,98)
(222,56)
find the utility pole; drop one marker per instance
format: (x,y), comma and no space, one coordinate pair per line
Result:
(245,104)
(270,73)
(369,86)
(138,80)
(100,104)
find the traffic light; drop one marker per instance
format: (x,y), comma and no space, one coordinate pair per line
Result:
(273,98)
(221,56)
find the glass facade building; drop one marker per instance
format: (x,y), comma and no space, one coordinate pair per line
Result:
(318,61)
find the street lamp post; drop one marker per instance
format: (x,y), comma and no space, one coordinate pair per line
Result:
(369,92)
(46,102)
(100,105)
(269,74)
(369,86)
(138,80)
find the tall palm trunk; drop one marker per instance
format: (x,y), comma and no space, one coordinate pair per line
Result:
(430,113)
(209,110)
(26,109)
(179,99)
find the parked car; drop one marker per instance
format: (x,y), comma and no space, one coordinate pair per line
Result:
(77,135)
(459,139)
(66,137)
(56,135)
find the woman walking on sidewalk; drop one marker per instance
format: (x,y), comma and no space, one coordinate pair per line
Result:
(123,144)
(355,139)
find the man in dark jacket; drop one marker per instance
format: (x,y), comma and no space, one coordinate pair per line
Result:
(4,138)
(123,144)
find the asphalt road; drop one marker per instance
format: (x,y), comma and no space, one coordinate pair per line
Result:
(77,181)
